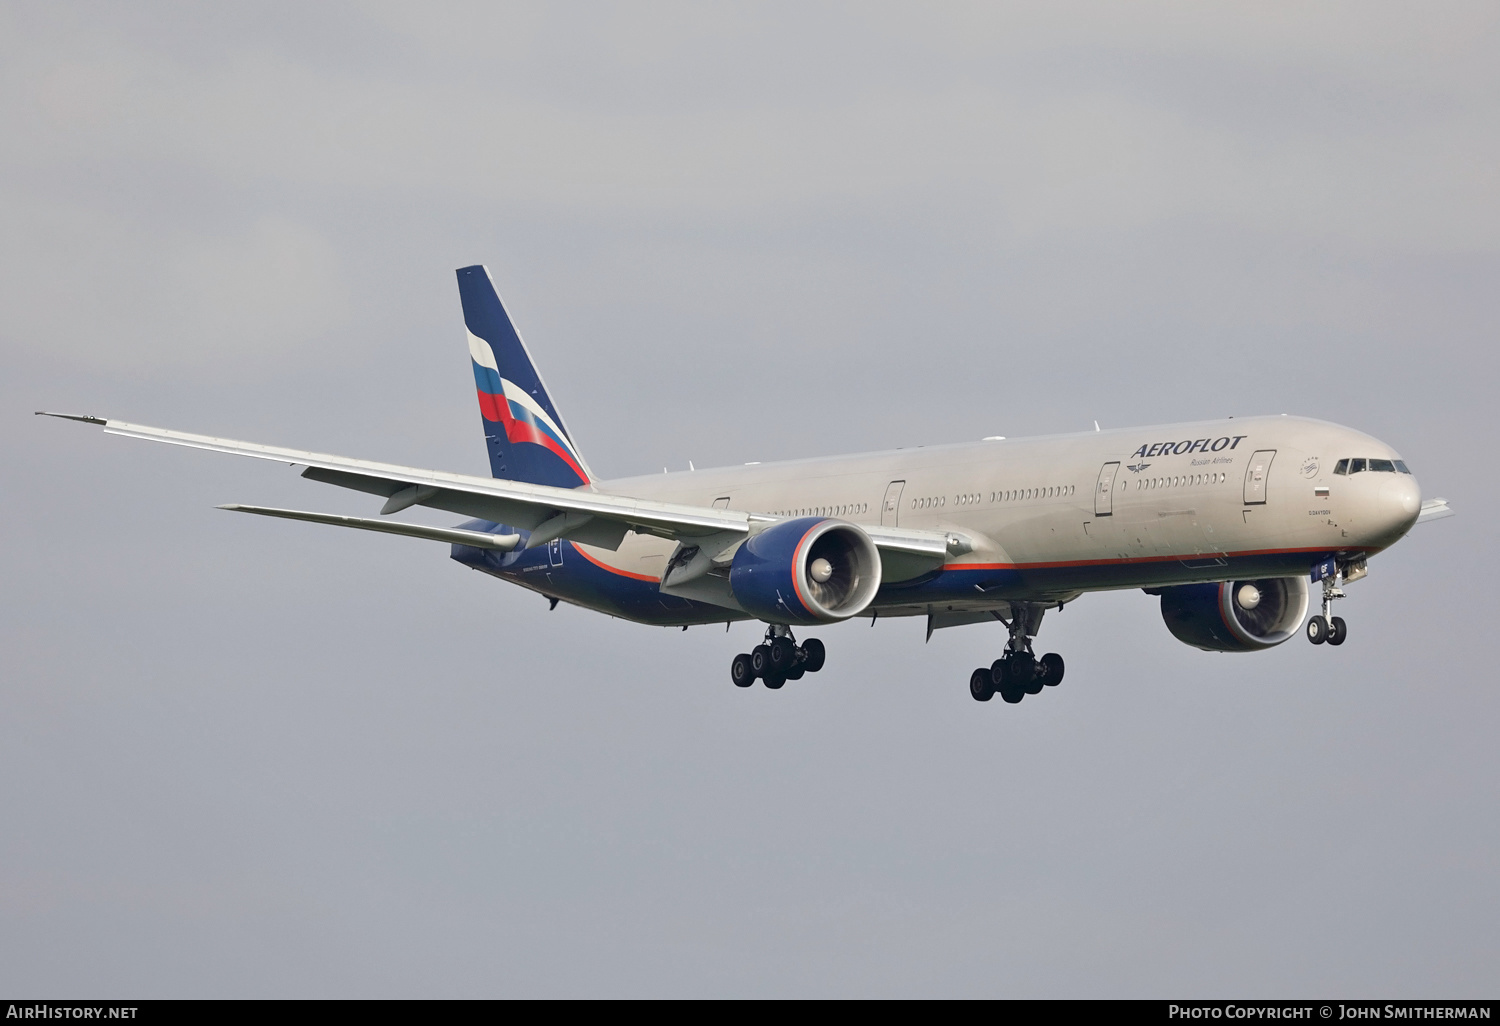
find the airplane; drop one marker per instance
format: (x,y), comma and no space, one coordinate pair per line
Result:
(1228,522)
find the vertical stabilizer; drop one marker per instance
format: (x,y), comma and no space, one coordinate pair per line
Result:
(522,428)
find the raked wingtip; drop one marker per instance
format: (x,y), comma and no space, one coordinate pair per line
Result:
(82,418)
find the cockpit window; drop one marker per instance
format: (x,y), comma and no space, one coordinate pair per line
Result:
(1358,466)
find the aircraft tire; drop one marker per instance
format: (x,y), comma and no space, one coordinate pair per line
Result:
(1012,695)
(741,671)
(783,654)
(760,660)
(796,672)
(813,654)
(1052,669)
(1022,670)
(999,675)
(1337,631)
(773,680)
(981,685)
(1317,629)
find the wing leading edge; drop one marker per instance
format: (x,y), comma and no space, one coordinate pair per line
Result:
(546,512)
(1434,509)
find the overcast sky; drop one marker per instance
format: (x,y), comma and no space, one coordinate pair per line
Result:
(259,758)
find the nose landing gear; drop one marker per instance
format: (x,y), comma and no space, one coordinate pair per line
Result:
(1324,627)
(778,660)
(1018,673)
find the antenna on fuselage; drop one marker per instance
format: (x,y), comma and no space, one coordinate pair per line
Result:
(1096,425)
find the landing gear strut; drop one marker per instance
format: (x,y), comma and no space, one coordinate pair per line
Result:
(1324,627)
(777,660)
(1018,672)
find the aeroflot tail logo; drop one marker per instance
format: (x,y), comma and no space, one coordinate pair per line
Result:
(501,401)
(1190,445)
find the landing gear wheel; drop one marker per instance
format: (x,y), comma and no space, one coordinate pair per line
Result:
(783,654)
(773,680)
(1018,672)
(760,660)
(813,655)
(741,671)
(981,686)
(796,672)
(1317,630)
(1337,631)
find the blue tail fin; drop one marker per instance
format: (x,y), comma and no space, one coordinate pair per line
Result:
(523,430)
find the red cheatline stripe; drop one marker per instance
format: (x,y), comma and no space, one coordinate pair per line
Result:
(615,570)
(1137,559)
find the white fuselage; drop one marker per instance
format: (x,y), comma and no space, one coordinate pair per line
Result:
(1053,516)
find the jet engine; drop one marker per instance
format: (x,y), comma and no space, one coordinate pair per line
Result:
(1235,616)
(806,571)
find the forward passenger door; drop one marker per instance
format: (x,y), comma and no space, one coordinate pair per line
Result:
(1256,475)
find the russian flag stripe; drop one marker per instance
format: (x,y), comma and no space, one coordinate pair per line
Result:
(522,425)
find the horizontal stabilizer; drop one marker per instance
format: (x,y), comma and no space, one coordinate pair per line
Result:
(1434,509)
(453,535)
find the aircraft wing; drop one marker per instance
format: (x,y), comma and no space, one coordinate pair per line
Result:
(590,517)
(476,539)
(1434,509)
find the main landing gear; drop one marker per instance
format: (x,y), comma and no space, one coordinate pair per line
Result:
(1018,673)
(1323,627)
(778,660)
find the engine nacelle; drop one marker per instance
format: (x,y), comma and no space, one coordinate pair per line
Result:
(1235,616)
(806,571)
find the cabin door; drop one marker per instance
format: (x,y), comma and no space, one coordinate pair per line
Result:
(1104,491)
(890,509)
(1255,476)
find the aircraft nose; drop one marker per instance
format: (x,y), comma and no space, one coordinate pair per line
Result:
(1396,510)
